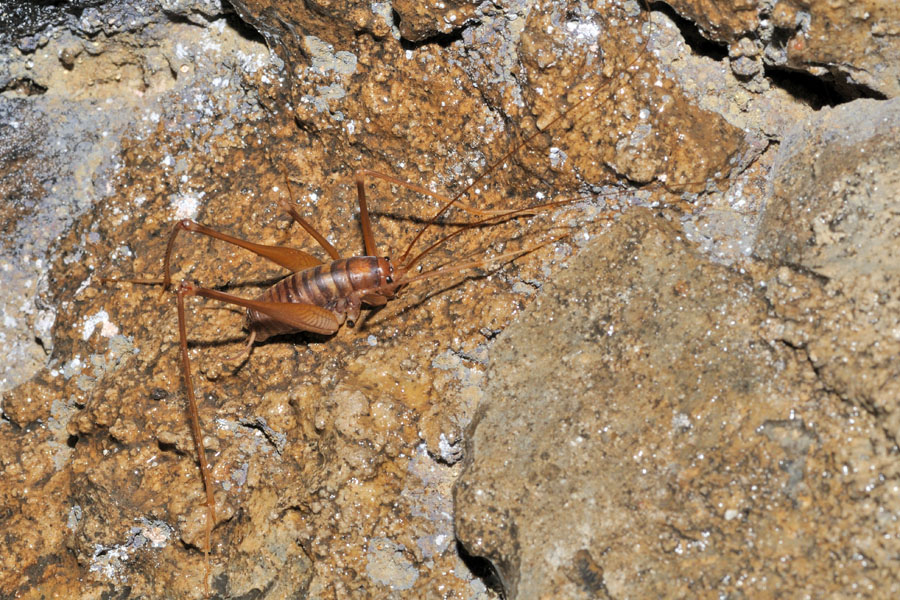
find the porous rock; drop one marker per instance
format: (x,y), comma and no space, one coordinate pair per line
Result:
(642,437)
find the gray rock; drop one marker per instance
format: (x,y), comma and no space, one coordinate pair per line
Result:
(642,439)
(833,227)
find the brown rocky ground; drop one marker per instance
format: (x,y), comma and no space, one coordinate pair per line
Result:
(693,393)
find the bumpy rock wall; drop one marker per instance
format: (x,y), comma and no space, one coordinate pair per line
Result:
(691,392)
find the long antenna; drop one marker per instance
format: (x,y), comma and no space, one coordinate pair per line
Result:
(513,151)
(533,209)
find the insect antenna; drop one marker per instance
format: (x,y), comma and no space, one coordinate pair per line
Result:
(510,153)
(544,207)
(483,261)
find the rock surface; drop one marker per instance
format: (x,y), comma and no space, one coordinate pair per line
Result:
(833,227)
(684,426)
(334,459)
(852,43)
(656,443)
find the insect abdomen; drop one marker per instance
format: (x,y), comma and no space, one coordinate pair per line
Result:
(329,285)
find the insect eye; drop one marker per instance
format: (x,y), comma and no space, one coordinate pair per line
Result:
(389,279)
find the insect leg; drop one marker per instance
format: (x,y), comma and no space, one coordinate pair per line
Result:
(289,258)
(196,432)
(302,316)
(307,317)
(326,245)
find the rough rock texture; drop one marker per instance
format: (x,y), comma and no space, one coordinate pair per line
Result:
(333,458)
(684,427)
(834,224)
(656,443)
(853,43)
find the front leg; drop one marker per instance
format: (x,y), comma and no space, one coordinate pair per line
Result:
(355,302)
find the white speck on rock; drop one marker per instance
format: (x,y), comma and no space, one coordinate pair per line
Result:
(186,205)
(107,328)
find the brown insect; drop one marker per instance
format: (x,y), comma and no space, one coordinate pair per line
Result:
(318,297)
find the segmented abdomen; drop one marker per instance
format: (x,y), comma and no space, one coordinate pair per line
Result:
(329,285)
